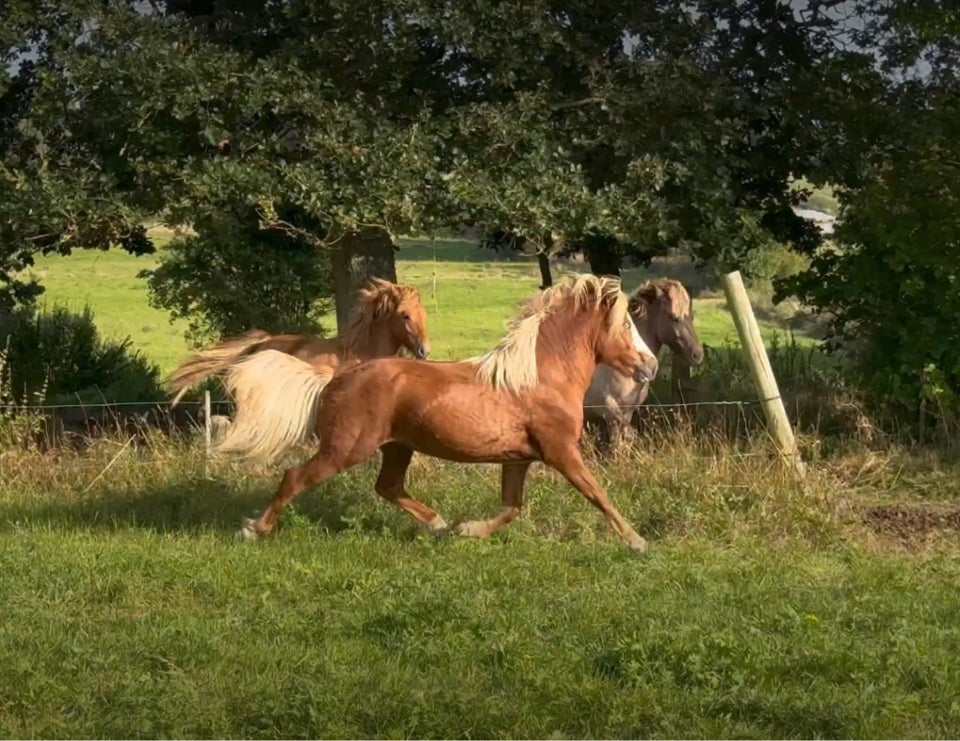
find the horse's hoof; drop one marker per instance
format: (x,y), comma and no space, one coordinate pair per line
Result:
(472,529)
(248,530)
(438,527)
(638,546)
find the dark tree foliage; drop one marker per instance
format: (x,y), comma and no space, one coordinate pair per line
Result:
(232,275)
(892,282)
(628,129)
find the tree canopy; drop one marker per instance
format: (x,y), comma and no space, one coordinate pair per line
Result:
(659,122)
(891,281)
(340,124)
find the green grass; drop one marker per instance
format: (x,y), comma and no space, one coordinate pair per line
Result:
(761,610)
(468,298)
(108,282)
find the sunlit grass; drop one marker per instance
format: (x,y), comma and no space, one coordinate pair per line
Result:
(762,609)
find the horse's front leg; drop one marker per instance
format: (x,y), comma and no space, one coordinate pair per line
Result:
(616,426)
(567,460)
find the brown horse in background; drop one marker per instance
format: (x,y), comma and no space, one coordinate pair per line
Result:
(269,375)
(663,313)
(521,402)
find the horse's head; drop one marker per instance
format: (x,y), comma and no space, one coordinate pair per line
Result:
(398,309)
(619,343)
(669,316)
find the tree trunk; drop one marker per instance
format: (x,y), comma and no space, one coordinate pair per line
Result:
(357,258)
(543,260)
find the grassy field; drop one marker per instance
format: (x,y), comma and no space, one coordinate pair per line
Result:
(468,297)
(761,610)
(764,609)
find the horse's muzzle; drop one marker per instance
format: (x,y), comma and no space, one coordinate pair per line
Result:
(646,370)
(420,352)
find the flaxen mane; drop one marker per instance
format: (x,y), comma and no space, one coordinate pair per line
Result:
(646,293)
(376,299)
(512,364)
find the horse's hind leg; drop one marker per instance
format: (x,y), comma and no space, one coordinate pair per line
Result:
(390,486)
(327,462)
(568,461)
(512,476)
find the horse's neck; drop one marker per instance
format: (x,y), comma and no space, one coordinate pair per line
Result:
(376,342)
(566,358)
(648,332)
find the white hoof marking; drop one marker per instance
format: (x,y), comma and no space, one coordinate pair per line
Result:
(472,529)
(248,530)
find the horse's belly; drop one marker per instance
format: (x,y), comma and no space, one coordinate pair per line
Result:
(479,430)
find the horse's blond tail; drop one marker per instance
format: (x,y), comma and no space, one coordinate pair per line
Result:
(277,399)
(205,363)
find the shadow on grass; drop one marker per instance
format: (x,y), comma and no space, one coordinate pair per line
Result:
(203,506)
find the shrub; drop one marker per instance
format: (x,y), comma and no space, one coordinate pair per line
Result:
(233,276)
(772,262)
(61,354)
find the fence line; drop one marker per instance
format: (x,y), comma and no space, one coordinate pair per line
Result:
(226,402)
(110,405)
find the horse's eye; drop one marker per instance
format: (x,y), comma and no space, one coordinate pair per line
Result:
(404,315)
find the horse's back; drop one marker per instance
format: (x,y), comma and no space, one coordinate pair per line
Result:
(326,351)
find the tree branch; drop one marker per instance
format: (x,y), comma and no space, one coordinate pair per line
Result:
(582,103)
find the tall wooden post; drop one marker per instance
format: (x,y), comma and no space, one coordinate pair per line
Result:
(207,433)
(763,378)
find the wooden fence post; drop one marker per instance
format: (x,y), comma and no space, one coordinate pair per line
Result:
(763,378)
(207,433)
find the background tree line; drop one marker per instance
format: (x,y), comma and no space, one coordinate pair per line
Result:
(299,138)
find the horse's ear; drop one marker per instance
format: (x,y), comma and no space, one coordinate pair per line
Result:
(648,292)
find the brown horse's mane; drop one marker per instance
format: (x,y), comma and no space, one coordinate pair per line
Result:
(512,364)
(376,299)
(643,296)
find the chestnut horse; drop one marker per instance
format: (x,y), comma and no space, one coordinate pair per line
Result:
(521,402)
(388,317)
(663,314)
